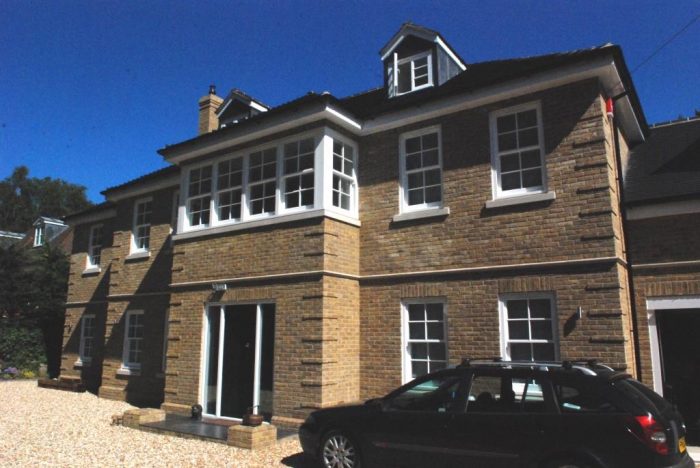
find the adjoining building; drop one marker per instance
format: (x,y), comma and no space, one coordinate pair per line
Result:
(328,249)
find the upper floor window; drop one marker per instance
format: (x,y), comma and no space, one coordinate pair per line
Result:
(141,234)
(302,175)
(94,246)
(299,173)
(421,167)
(517,151)
(230,186)
(410,74)
(199,196)
(262,181)
(344,185)
(528,327)
(39,236)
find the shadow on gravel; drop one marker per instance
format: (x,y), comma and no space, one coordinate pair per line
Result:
(300,460)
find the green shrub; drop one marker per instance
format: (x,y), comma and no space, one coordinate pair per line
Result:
(21,347)
(28,374)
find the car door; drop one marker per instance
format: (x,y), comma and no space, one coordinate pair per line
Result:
(502,423)
(413,427)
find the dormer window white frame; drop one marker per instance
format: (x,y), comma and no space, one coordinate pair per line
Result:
(518,164)
(411,73)
(420,154)
(141,232)
(39,235)
(289,176)
(94,247)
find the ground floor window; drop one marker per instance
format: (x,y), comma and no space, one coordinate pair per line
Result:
(133,340)
(425,337)
(528,327)
(87,338)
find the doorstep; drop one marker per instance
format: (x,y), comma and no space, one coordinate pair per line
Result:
(186,427)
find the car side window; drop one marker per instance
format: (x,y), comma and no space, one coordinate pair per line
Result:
(503,394)
(439,395)
(575,398)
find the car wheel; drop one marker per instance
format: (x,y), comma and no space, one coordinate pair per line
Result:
(339,451)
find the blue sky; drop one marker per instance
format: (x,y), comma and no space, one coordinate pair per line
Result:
(89,90)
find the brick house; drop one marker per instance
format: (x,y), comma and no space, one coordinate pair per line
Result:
(329,249)
(662,187)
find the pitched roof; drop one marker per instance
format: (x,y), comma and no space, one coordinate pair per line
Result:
(667,165)
(482,74)
(150,177)
(412,29)
(93,209)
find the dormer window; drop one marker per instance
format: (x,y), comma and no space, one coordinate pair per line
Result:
(418,58)
(39,236)
(413,73)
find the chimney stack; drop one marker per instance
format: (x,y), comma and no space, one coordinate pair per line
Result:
(208,105)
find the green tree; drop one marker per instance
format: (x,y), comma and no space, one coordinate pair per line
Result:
(23,199)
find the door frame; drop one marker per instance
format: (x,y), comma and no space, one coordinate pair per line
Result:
(204,367)
(660,304)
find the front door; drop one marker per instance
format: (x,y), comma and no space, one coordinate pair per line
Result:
(680,351)
(237,376)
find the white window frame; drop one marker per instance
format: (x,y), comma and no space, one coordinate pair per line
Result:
(247,201)
(284,178)
(496,154)
(503,320)
(127,365)
(91,247)
(84,360)
(352,178)
(403,186)
(323,180)
(412,59)
(406,367)
(39,234)
(134,231)
(190,198)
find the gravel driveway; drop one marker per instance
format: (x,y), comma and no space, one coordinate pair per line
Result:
(43,427)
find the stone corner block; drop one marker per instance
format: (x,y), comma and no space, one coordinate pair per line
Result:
(135,417)
(252,438)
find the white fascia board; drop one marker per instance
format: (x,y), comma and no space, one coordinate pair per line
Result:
(281,125)
(258,107)
(658,210)
(252,104)
(393,46)
(595,69)
(93,217)
(449,52)
(145,189)
(613,86)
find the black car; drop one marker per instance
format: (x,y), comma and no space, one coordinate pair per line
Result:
(504,414)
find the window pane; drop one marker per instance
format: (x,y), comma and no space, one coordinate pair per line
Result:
(527,137)
(307,197)
(404,71)
(416,312)
(415,180)
(518,330)
(413,145)
(520,352)
(516,308)
(337,162)
(419,351)
(416,331)
(527,119)
(505,123)
(434,311)
(435,331)
(530,159)
(430,158)
(415,197)
(430,141)
(413,161)
(543,351)
(419,368)
(433,194)
(507,141)
(540,308)
(510,181)
(541,329)
(432,177)
(510,162)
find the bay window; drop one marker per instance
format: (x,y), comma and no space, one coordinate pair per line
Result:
(308,175)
